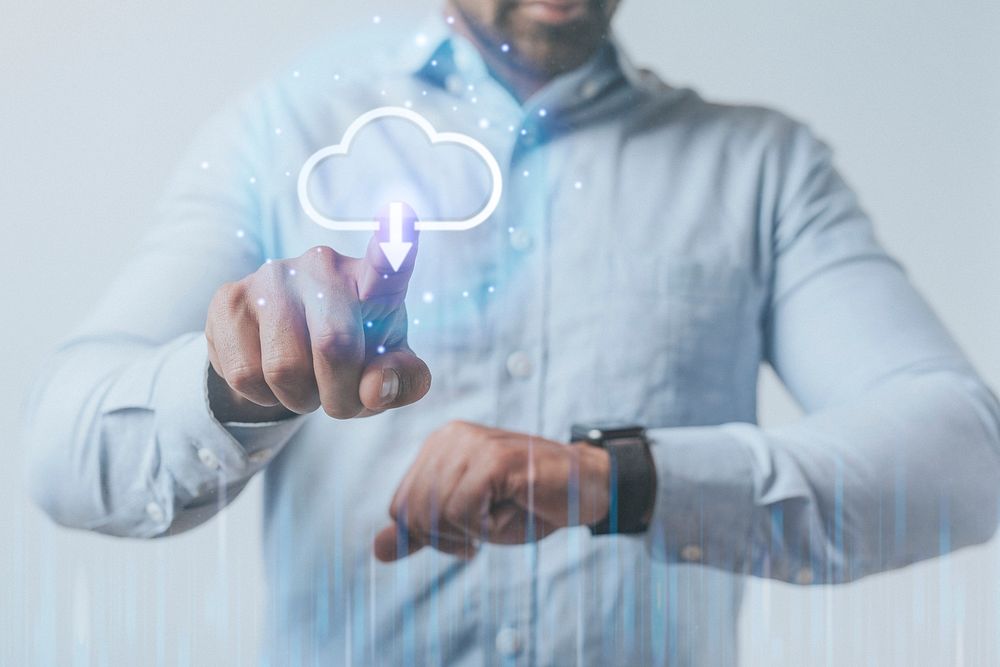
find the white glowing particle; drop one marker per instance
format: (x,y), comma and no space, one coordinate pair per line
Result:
(526,173)
(484,123)
(204,165)
(253,180)
(578,185)
(336,77)
(465,293)
(278,131)
(510,230)
(474,99)
(421,39)
(296,74)
(382,92)
(450,20)
(428,297)
(454,107)
(491,289)
(408,104)
(319,295)
(543,113)
(369,324)
(434,63)
(268,260)
(261,301)
(505,47)
(291,272)
(380,349)
(288,173)
(416,321)
(424,93)
(376,19)
(471,87)
(524,132)
(240,233)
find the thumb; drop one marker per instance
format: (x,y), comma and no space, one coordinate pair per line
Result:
(385,271)
(394,379)
(392,543)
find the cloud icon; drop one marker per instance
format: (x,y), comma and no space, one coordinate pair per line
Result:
(394,248)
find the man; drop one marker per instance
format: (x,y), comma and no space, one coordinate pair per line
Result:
(651,251)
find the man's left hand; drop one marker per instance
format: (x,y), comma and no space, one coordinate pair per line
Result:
(471,484)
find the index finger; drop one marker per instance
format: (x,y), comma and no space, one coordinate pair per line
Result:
(385,271)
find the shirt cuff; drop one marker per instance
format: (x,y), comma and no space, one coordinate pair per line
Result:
(201,453)
(704,497)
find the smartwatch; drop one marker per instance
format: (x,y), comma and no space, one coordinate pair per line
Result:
(632,478)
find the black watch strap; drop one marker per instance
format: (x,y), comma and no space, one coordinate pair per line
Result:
(632,482)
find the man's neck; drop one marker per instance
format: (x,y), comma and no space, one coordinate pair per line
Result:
(520,80)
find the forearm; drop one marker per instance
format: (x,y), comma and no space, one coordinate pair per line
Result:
(122,441)
(905,471)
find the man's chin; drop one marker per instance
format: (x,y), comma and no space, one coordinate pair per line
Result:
(559,52)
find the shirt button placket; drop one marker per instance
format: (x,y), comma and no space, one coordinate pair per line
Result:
(521,339)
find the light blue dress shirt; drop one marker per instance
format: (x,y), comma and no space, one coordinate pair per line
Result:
(651,251)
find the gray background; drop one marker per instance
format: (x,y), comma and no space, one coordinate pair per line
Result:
(99,98)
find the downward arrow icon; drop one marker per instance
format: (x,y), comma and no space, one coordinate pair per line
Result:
(395,249)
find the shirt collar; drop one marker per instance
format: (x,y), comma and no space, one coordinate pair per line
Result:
(436,52)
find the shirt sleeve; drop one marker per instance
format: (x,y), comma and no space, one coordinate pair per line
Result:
(897,458)
(120,433)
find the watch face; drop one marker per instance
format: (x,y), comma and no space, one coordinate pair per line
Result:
(605,430)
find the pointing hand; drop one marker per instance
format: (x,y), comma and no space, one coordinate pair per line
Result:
(322,329)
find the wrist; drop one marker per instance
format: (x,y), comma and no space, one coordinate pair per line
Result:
(595,483)
(631,475)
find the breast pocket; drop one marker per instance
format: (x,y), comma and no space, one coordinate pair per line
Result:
(448,307)
(684,340)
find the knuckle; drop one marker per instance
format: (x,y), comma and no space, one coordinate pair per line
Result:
(455,428)
(269,278)
(448,435)
(287,372)
(228,300)
(339,343)
(245,378)
(271,270)
(323,260)
(317,251)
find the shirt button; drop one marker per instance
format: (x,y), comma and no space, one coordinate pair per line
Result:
(691,553)
(462,58)
(508,642)
(154,512)
(208,458)
(519,365)
(261,456)
(520,239)
(453,83)
(589,89)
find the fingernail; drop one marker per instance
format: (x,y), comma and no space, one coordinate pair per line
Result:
(390,386)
